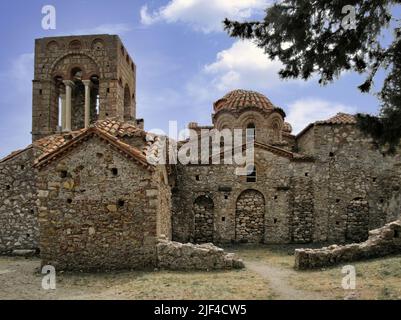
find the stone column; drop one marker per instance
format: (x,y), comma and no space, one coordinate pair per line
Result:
(63,111)
(87,84)
(69,85)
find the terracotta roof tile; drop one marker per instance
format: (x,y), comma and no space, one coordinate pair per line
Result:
(339,118)
(129,150)
(238,99)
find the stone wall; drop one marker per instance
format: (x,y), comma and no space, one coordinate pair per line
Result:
(304,201)
(357,221)
(381,242)
(250,217)
(347,167)
(18,213)
(205,257)
(204,220)
(220,184)
(97,211)
(302,220)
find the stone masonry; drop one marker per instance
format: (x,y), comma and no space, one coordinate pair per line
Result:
(204,257)
(381,242)
(85,195)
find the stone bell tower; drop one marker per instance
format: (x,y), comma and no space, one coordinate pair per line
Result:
(79,80)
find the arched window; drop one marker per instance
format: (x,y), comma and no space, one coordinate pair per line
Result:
(276,128)
(250,132)
(76,74)
(251,174)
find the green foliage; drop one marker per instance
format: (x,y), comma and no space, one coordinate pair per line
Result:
(310,38)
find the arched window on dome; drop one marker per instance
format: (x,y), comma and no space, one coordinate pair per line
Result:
(276,131)
(250,132)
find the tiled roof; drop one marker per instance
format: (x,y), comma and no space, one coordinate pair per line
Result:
(112,127)
(51,143)
(14,154)
(130,151)
(339,118)
(238,99)
(112,130)
(119,129)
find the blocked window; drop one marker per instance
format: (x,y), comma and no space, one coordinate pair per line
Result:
(250,132)
(251,177)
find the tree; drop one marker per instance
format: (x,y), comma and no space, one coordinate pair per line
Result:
(327,37)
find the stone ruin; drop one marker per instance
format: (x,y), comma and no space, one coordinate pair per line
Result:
(85,196)
(205,257)
(381,242)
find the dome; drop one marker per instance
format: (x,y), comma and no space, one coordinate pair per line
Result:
(239,99)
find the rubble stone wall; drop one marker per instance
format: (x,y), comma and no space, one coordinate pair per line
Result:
(221,184)
(97,211)
(19,228)
(381,242)
(205,257)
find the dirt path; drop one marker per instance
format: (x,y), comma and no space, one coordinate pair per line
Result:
(278,281)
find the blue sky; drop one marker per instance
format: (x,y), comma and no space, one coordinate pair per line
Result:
(184,62)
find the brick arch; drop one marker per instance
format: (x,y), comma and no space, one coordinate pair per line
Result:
(250,217)
(56,67)
(225,120)
(251,116)
(203,210)
(276,124)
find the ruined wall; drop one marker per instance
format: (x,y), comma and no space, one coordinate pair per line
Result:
(97,211)
(381,242)
(18,214)
(205,257)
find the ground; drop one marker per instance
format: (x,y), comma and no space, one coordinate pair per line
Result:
(269,274)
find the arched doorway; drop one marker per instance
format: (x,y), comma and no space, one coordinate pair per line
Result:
(204,219)
(250,217)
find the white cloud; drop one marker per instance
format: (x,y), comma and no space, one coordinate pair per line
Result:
(118,28)
(308,110)
(203,15)
(244,66)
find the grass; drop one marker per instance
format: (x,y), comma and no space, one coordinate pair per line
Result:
(165,285)
(376,279)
